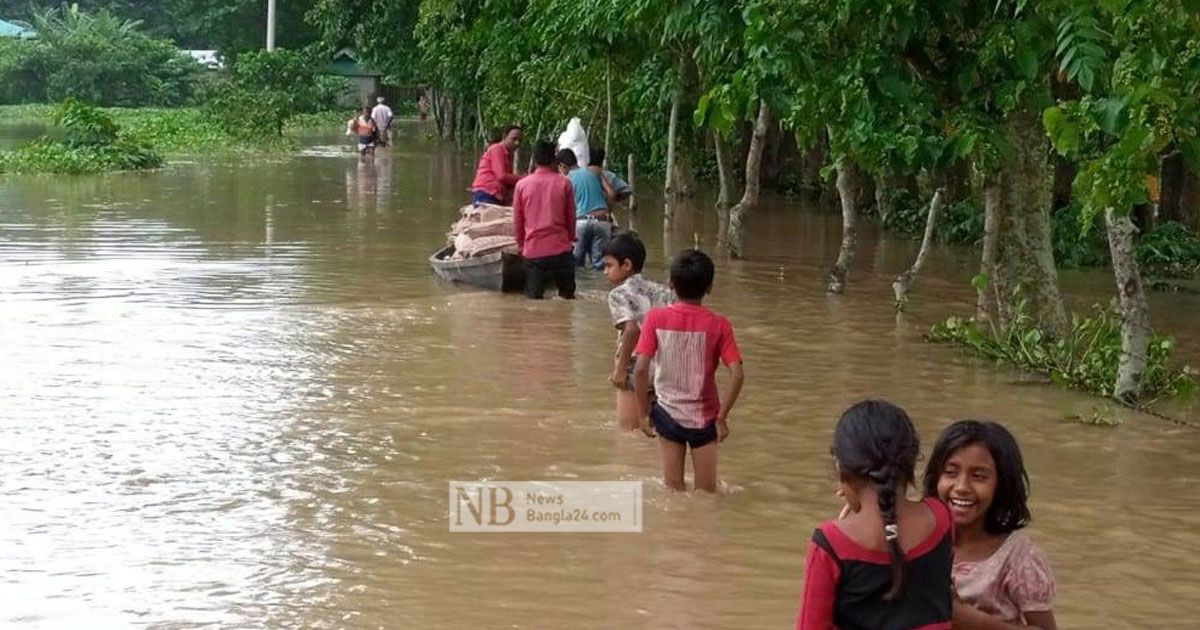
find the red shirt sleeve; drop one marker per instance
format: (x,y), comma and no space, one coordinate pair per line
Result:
(821,575)
(729,348)
(502,167)
(519,219)
(648,339)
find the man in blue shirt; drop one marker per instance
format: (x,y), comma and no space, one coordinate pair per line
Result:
(593,221)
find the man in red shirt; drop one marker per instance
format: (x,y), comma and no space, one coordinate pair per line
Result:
(494,178)
(544,223)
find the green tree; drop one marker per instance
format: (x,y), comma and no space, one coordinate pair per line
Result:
(1137,64)
(98,58)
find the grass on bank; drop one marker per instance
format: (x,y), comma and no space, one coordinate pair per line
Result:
(143,132)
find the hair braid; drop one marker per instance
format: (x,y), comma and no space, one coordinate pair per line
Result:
(885,488)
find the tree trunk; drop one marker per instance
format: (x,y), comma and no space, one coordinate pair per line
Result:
(1170,200)
(669,187)
(847,185)
(812,161)
(904,281)
(479,120)
(1064,181)
(633,195)
(439,113)
(885,198)
(1025,271)
(1190,200)
(1051,311)
(724,191)
(451,118)
(956,181)
(985,287)
(1135,312)
(608,116)
(1143,217)
(738,213)
(537,136)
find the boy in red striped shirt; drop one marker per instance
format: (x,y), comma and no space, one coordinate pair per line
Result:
(687,342)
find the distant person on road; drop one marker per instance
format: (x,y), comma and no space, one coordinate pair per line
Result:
(593,222)
(382,115)
(422,107)
(630,299)
(364,128)
(544,225)
(494,177)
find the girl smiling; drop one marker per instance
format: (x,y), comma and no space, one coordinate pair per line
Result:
(1001,579)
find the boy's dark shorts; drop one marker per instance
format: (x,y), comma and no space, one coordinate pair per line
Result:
(669,429)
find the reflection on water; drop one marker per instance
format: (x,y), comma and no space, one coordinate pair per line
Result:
(233,393)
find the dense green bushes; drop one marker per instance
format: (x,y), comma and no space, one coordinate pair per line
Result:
(1170,250)
(1085,357)
(91,142)
(97,58)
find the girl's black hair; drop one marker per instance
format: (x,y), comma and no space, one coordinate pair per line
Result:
(1010,506)
(876,442)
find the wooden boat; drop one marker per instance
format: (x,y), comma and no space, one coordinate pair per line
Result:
(498,271)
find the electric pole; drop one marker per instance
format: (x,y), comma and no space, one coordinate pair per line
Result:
(270,25)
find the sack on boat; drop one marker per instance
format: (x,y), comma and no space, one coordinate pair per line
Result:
(482,229)
(499,227)
(463,245)
(575,139)
(489,244)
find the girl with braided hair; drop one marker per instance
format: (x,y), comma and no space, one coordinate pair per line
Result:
(886,562)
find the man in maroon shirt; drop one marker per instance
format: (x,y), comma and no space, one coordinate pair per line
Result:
(544,222)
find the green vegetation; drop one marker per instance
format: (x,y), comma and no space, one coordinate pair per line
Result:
(230,26)
(266,89)
(159,131)
(1086,356)
(92,143)
(97,58)
(1170,250)
(946,112)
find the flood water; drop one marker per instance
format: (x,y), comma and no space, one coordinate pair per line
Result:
(232,393)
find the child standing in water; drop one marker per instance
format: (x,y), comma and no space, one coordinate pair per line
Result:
(363,126)
(630,299)
(1001,578)
(687,342)
(886,564)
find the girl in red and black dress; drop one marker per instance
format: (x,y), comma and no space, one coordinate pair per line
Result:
(886,563)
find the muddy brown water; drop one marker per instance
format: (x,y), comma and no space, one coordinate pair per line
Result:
(233,394)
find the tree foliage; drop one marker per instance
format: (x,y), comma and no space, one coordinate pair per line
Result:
(265,89)
(98,58)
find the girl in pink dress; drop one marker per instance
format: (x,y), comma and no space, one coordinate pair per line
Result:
(1001,578)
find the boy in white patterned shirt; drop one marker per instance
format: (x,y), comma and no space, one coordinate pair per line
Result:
(628,302)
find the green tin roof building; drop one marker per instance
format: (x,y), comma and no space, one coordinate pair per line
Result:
(366,80)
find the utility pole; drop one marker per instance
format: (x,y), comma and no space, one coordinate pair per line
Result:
(270,25)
